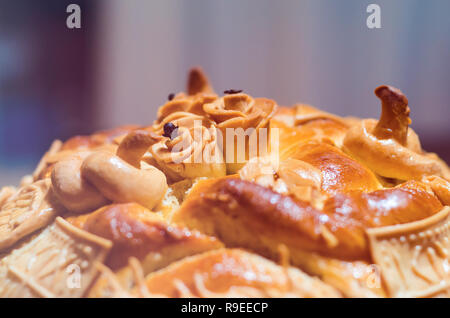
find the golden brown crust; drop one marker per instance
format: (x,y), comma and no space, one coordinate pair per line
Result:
(388,147)
(311,123)
(137,232)
(97,139)
(318,130)
(340,173)
(104,140)
(87,180)
(199,92)
(394,119)
(234,273)
(355,203)
(440,187)
(198,82)
(71,189)
(185,103)
(261,218)
(285,115)
(120,182)
(388,158)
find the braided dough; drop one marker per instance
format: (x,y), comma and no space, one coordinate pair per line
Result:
(332,206)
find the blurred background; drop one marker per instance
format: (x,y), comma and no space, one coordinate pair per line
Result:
(128,56)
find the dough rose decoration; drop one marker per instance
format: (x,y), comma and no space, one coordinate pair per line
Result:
(150,211)
(182,142)
(388,146)
(192,131)
(199,92)
(190,148)
(236,113)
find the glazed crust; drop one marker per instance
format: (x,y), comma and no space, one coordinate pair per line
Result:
(356,204)
(137,232)
(340,173)
(243,213)
(97,139)
(234,273)
(388,146)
